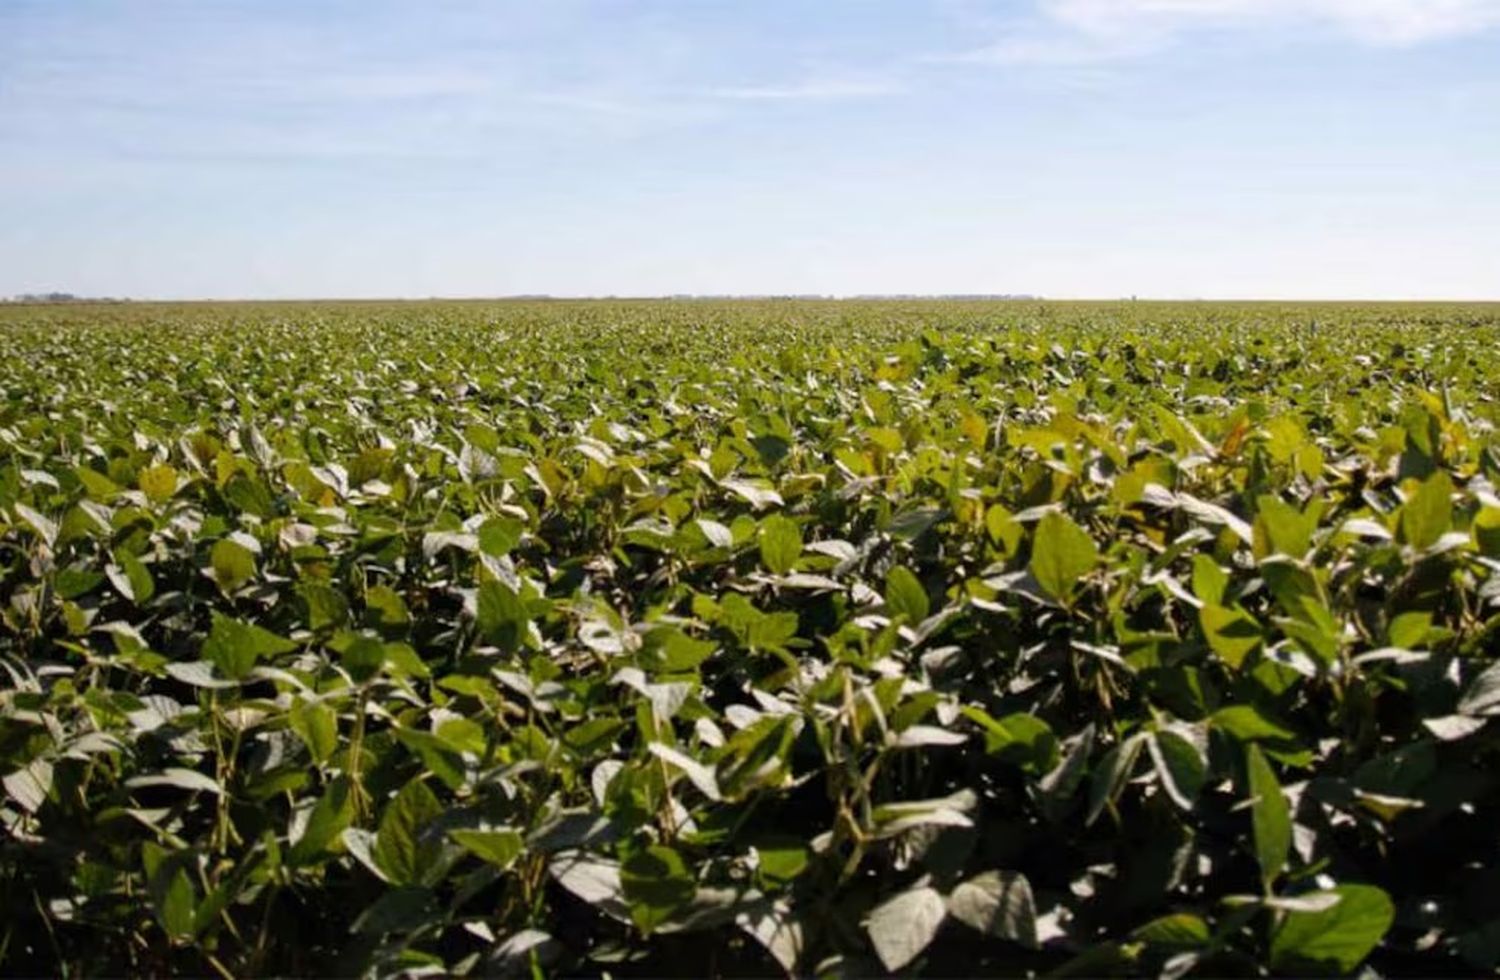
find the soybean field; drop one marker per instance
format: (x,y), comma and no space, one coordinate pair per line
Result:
(749,638)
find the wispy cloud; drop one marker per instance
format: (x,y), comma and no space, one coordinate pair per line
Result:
(809,91)
(1052,48)
(1079,32)
(593,103)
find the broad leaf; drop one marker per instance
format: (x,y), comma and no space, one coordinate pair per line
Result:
(1270,816)
(1428,511)
(404,848)
(902,927)
(905,595)
(233,564)
(998,903)
(498,847)
(1338,938)
(1061,554)
(656,882)
(780,544)
(235,646)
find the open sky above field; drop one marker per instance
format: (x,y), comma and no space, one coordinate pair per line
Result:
(1172,148)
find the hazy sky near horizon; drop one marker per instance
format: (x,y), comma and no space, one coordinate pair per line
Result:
(1170,148)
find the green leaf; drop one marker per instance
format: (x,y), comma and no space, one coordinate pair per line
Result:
(250,495)
(1315,630)
(780,544)
(905,596)
(656,883)
(1021,739)
(1428,511)
(593,735)
(499,535)
(138,587)
(463,735)
(1338,938)
(1209,580)
(1231,633)
(1281,528)
(74,582)
(317,726)
(234,646)
(772,631)
(333,812)
(497,847)
(670,650)
(1486,531)
(233,564)
(782,860)
(1059,785)
(1294,586)
(96,484)
(206,921)
(1179,931)
(1400,772)
(440,758)
(172,894)
(363,657)
(1409,630)
(1182,433)
(1004,530)
(502,616)
(404,662)
(947,811)
(1112,773)
(401,909)
(1179,766)
(1245,723)
(385,611)
(326,606)
(402,849)
(1061,554)
(1270,816)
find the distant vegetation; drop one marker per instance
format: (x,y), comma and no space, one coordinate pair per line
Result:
(719,638)
(59,298)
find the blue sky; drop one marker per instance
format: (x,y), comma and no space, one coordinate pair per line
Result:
(1172,148)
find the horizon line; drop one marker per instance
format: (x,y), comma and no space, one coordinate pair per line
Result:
(40,299)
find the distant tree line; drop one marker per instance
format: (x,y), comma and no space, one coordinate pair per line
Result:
(61,298)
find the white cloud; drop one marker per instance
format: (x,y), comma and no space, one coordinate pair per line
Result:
(1072,32)
(1379,21)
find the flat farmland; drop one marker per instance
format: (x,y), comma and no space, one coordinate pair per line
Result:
(749,637)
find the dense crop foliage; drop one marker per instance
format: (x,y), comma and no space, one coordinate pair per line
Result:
(705,639)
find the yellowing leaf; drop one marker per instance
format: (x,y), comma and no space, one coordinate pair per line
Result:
(158,483)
